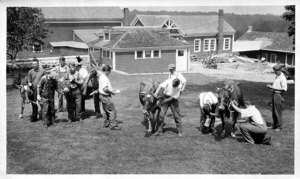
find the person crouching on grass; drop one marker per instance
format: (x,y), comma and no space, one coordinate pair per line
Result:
(106,91)
(45,95)
(253,127)
(171,92)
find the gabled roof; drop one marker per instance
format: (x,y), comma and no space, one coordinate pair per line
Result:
(278,41)
(134,38)
(71,44)
(82,13)
(195,25)
(201,25)
(88,35)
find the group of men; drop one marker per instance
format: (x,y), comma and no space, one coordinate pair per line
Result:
(68,82)
(252,126)
(251,123)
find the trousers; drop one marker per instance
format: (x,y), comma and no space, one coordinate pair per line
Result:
(277,108)
(109,112)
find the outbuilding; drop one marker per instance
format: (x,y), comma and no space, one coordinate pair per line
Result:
(140,50)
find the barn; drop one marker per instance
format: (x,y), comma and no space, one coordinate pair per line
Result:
(271,46)
(140,50)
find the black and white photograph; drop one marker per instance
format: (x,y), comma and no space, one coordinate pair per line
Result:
(129,87)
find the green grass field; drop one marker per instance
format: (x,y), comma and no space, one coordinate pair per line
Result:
(88,148)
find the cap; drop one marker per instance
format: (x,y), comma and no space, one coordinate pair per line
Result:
(277,67)
(61,58)
(171,66)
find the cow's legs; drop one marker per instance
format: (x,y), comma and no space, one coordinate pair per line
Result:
(149,122)
(234,120)
(22,108)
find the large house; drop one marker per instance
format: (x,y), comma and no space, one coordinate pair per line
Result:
(140,50)
(272,46)
(206,33)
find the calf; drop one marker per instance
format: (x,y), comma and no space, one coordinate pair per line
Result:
(25,91)
(148,101)
(229,92)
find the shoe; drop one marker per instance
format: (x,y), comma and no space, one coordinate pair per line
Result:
(267,141)
(115,128)
(158,133)
(277,130)
(60,110)
(179,134)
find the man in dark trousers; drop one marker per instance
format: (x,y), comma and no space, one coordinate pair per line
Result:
(74,96)
(45,95)
(34,77)
(279,87)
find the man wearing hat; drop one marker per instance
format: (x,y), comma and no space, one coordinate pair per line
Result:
(278,88)
(62,69)
(45,95)
(34,77)
(176,75)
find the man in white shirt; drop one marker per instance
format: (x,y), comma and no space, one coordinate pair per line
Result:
(207,103)
(83,75)
(174,74)
(279,87)
(109,112)
(252,126)
(171,92)
(62,69)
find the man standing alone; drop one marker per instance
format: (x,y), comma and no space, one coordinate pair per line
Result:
(34,77)
(279,87)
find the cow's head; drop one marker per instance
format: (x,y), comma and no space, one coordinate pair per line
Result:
(224,96)
(147,101)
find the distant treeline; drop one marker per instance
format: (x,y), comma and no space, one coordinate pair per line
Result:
(263,23)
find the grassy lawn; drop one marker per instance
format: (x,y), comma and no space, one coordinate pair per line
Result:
(88,148)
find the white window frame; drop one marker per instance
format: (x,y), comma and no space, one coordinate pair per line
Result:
(224,43)
(271,59)
(209,44)
(199,45)
(106,52)
(144,54)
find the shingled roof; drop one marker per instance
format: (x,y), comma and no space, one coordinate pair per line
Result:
(88,35)
(195,25)
(133,38)
(82,13)
(279,41)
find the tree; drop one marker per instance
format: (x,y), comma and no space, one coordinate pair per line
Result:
(289,16)
(25,26)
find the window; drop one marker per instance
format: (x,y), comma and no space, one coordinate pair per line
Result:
(226,44)
(197,45)
(37,47)
(106,54)
(156,53)
(139,54)
(180,53)
(106,36)
(147,54)
(273,58)
(209,44)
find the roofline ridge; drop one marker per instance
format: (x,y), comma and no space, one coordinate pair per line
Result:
(119,39)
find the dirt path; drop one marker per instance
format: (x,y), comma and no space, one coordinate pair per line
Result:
(236,71)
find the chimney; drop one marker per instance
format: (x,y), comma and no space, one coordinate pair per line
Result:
(126,17)
(220,30)
(249,29)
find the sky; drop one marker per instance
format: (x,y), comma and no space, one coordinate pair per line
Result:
(276,10)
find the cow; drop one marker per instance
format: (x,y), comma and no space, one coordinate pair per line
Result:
(149,103)
(231,91)
(25,91)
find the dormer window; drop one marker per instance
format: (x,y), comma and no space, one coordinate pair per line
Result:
(106,36)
